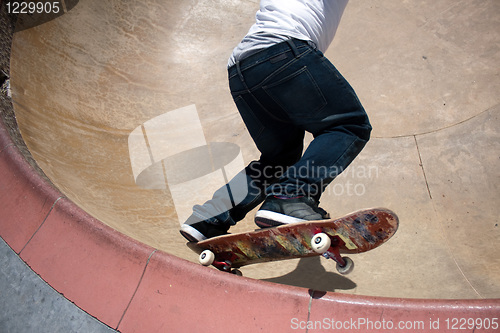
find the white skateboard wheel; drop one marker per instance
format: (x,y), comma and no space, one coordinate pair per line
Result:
(206,258)
(320,243)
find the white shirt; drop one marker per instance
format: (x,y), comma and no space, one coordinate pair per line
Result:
(315,21)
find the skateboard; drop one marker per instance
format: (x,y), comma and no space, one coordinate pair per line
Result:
(357,232)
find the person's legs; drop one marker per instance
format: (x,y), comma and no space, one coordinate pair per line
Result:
(280,93)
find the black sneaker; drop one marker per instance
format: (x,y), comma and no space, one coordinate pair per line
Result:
(195,230)
(281,210)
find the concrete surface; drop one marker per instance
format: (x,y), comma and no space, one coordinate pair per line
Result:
(428,76)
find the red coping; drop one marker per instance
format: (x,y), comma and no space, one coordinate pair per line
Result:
(134,288)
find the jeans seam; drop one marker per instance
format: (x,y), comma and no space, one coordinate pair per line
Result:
(269,57)
(282,68)
(275,72)
(307,49)
(249,110)
(342,156)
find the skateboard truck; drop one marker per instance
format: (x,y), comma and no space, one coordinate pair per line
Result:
(329,247)
(224,263)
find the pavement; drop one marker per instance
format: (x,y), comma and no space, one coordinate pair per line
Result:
(107,76)
(29,304)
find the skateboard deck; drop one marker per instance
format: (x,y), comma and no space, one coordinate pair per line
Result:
(357,232)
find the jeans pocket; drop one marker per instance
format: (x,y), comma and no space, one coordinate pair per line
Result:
(297,94)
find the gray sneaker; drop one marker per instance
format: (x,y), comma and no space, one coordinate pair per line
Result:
(195,230)
(276,211)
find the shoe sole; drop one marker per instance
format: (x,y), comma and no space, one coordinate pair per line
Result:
(191,234)
(269,219)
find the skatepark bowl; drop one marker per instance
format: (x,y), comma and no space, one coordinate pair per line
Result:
(112,98)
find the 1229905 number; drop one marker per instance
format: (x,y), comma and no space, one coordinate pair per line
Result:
(24,7)
(472,323)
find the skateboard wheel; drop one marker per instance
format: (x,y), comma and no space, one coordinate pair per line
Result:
(320,243)
(206,258)
(349,266)
(237,272)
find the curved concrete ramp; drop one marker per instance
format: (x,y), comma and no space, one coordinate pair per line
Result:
(132,287)
(85,81)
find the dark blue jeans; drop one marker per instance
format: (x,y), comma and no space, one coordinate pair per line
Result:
(282,92)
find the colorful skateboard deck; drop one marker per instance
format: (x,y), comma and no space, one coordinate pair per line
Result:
(357,232)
